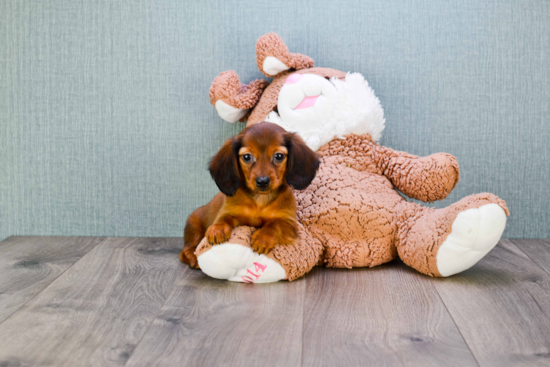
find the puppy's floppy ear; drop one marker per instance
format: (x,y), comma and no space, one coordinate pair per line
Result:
(302,162)
(224,167)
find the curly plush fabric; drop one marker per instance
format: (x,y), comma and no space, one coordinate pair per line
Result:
(300,257)
(272,45)
(354,214)
(228,88)
(351,207)
(423,230)
(408,173)
(428,178)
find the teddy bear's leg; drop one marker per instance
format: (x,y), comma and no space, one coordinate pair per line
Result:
(232,99)
(273,57)
(443,242)
(300,257)
(236,261)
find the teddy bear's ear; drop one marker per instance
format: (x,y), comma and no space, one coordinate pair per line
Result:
(273,57)
(232,99)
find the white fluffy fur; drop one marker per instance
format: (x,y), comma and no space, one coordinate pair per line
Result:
(350,106)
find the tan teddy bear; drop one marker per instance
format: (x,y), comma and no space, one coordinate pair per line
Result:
(352,214)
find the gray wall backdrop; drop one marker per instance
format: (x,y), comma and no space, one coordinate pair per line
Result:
(106,126)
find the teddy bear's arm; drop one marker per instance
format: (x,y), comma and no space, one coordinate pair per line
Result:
(300,257)
(427,179)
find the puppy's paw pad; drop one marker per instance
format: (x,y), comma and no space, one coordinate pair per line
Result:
(263,243)
(187,256)
(218,233)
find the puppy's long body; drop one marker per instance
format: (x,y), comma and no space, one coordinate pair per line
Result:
(255,172)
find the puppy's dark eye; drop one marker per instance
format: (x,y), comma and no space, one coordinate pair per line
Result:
(278,157)
(247,158)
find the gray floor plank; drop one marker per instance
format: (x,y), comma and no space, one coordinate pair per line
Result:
(502,308)
(383,316)
(83,301)
(537,250)
(209,322)
(98,310)
(30,264)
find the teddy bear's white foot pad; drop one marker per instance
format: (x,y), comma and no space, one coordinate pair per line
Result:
(238,263)
(474,233)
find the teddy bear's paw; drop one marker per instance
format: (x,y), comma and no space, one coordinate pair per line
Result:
(238,263)
(474,233)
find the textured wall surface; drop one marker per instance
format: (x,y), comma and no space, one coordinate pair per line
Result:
(106,126)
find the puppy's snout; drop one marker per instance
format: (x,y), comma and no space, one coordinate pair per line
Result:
(262,182)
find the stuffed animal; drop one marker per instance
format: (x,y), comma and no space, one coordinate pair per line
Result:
(352,215)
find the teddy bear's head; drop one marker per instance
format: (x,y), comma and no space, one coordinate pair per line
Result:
(317,103)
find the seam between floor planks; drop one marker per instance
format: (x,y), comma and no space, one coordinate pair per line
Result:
(456,324)
(484,282)
(479,268)
(389,314)
(131,255)
(185,271)
(516,243)
(306,276)
(101,240)
(213,322)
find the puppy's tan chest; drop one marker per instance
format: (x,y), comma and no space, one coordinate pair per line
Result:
(257,218)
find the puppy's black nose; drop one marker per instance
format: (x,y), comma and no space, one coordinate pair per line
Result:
(262,182)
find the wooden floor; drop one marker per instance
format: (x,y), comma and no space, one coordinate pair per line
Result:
(83,301)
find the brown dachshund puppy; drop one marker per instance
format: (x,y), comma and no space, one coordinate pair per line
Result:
(255,172)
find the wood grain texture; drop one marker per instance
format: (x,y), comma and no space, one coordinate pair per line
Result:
(29,264)
(537,250)
(502,307)
(209,322)
(129,301)
(98,310)
(388,315)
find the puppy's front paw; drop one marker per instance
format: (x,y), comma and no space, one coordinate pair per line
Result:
(263,241)
(218,233)
(187,256)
